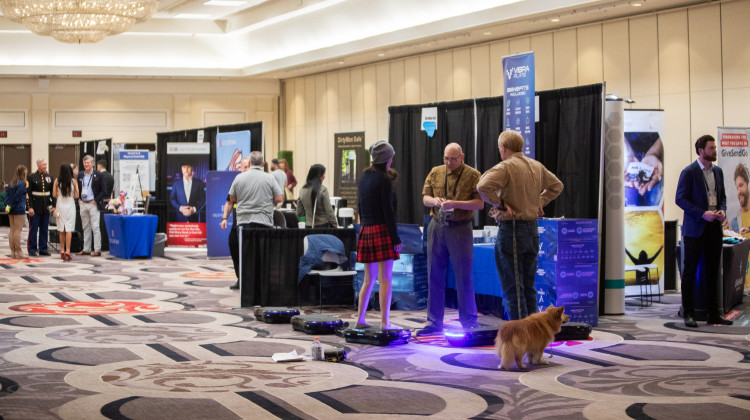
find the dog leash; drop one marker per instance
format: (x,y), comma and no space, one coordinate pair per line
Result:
(515,269)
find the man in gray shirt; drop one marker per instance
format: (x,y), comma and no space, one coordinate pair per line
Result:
(255,193)
(278,173)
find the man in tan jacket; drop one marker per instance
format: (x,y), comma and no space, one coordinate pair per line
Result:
(518,188)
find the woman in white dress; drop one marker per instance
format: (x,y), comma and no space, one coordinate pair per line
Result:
(65,190)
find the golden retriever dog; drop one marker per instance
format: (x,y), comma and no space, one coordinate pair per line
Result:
(529,336)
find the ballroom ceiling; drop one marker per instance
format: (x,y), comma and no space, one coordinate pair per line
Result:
(281,39)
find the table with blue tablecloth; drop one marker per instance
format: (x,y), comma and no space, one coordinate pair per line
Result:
(489,294)
(131,236)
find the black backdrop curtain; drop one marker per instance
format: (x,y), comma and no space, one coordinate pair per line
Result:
(568,143)
(416,153)
(89,147)
(209,136)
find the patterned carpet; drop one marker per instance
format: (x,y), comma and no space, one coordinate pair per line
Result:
(163,339)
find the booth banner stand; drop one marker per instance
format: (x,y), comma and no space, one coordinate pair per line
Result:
(231,147)
(520,105)
(217,187)
(187,168)
(644,201)
(614,267)
(733,160)
(348,167)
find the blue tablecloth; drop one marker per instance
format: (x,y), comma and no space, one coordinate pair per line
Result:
(131,236)
(483,272)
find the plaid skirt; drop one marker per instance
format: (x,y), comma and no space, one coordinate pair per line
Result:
(375,245)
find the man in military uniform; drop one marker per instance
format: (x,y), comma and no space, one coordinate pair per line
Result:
(40,205)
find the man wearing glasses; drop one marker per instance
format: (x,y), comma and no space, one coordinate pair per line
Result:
(450,190)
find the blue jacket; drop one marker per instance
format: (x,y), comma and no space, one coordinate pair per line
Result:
(692,198)
(197,199)
(15,197)
(317,245)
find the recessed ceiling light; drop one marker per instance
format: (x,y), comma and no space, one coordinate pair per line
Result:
(381,55)
(228,3)
(636,5)
(554,20)
(487,33)
(341,62)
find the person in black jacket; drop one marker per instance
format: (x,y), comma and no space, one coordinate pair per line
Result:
(92,191)
(108,182)
(379,243)
(40,205)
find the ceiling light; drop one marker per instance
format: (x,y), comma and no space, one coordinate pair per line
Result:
(78,21)
(487,33)
(227,3)
(636,5)
(554,20)
(341,62)
(381,55)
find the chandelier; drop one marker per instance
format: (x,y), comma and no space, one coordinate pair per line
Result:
(78,21)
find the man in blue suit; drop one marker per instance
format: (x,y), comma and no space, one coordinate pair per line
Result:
(701,196)
(188,197)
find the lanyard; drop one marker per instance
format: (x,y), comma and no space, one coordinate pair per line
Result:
(455,186)
(91,177)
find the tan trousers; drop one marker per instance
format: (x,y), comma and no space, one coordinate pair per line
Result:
(17,222)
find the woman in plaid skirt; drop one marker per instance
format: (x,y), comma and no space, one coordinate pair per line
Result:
(379,243)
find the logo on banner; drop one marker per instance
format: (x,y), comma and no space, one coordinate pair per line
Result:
(429,121)
(518,71)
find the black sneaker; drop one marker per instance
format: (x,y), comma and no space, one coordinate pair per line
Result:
(719,321)
(235,286)
(430,329)
(44,254)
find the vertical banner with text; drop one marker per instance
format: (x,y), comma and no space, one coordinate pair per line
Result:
(231,147)
(217,188)
(349,161)
(520,104)
(187,168)
(734,159)
(644,201)
(134,172)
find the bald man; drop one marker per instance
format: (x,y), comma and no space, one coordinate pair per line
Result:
(450,191)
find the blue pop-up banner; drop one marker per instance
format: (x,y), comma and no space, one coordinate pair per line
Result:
(217,188)
(518,74)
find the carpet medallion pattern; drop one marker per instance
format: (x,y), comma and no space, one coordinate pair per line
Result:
(105,338)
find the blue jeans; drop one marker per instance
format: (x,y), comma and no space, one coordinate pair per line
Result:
(527,248)
(38,226)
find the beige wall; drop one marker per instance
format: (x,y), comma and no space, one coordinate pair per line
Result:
(694,63)
(46,111)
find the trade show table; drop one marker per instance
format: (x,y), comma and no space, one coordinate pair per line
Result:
(732,284)
(270,263)
(131,236)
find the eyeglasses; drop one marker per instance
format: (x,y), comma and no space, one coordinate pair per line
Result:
(451,159)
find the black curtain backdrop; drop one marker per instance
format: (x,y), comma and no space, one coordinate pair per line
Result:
(416,153)
(88,147)
(568,143)
(209,136)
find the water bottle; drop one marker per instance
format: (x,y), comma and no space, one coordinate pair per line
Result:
(317,349)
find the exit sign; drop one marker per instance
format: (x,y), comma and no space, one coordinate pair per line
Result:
(77,133)
(3,134)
